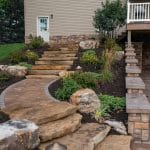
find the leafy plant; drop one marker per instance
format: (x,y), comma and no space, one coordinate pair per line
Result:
(89,57)
(31,56)
(109,104)
(4,76)
(25,64)
(86,79)
(36,42)
(17,57)
(110,16)
(69,87)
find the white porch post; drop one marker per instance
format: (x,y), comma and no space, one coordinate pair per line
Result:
(129,38)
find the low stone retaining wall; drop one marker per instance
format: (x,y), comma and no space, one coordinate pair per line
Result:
(137,104)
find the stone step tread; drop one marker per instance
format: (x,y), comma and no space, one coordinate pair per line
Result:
(134,83)
(60,52)
(51,67)
(60,127)
(45,72)
(41,77)
(131,60)
(58,55)
(57,58)
(54,62)
(115,142)
(88,136)
(43,112)
(137,103)
(133,69)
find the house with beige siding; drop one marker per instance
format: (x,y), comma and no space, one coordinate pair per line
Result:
(60,19)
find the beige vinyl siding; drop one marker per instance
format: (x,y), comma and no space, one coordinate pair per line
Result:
(70,17)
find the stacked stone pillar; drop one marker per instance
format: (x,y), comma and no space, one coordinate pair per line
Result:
(137,104)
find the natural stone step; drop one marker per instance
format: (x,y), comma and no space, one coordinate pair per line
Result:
(41,76)
(133,101)
(134,83)
(50,67)
(43,112)
(115,142)
(60,128)
(54,62)
(60,52)
(44,72)
(57,58)
(86,138)
(133,70)
(58,55)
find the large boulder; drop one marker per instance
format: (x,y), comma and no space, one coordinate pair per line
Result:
(86,100)
(19,135)
(19,71)
(89,44)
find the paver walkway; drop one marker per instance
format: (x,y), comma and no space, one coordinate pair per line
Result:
(26,92)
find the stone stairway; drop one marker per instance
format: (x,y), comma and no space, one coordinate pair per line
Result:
(52,124)
(53,62)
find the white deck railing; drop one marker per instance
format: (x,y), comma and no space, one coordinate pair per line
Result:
(138,12)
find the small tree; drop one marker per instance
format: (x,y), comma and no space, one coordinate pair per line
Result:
(110,16)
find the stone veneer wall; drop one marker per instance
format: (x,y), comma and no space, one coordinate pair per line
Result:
(67,39)
(137,104)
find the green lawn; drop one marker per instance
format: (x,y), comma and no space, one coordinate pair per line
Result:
(7,49)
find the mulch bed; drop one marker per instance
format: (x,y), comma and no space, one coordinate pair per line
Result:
(115,88)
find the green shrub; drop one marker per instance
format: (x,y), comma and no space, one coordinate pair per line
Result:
(17,57)
(36,42)
(4,76)
(112,103)
(86,79)
(109,104)
(89,57)
(25,64)
(69,87)
(31,56)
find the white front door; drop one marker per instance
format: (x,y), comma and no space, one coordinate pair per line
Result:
(43,28)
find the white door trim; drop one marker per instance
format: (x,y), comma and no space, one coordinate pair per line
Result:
(37,24)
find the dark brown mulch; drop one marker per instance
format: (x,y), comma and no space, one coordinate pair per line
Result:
(10,81)
(117,86)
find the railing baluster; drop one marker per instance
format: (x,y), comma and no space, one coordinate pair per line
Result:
(138,12)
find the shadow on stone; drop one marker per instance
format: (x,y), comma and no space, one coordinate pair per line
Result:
(3,117)
(56,146)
